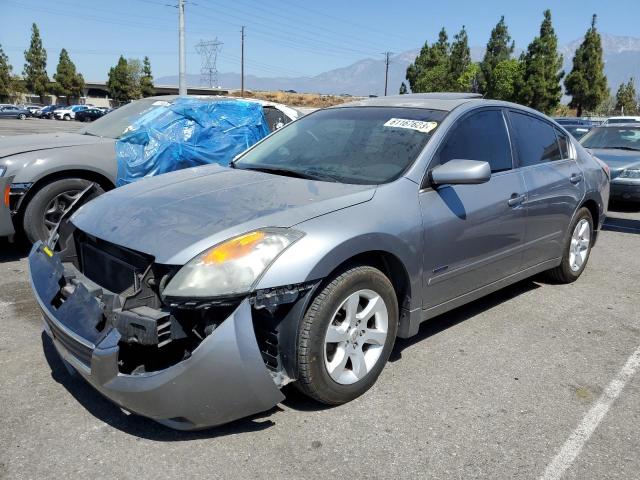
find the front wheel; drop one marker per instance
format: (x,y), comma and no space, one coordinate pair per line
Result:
(347,335)
(576,250)
(22,116)
(45,208)
(67,117)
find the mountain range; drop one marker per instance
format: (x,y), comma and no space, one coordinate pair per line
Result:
(366,77)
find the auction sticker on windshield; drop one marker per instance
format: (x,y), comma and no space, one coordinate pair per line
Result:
(418,125)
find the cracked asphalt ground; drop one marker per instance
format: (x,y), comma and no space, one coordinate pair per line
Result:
(490,390)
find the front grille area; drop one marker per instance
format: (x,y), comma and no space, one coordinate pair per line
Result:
(115,268)
(75,348)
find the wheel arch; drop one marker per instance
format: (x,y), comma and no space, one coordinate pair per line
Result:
(90,175)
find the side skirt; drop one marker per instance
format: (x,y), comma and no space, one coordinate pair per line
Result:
(426,314)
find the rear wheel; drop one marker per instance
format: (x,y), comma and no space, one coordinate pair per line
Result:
(576,250)
(347,335)
(45,208)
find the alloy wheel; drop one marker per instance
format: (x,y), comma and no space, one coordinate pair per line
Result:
(57,206)
(356,337)
(579,247)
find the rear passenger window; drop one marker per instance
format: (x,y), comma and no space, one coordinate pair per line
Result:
(536,140)
(480,136)
(563,141)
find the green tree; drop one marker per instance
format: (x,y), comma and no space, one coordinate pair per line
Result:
(403,89)
(506,75)
(6,77)
(542,70)
(587,83)
(146,81)
(134,67)
(499,49)
(468,81)
(120,82)
(430,70)
(627,99)
(68,82)
(35,69)
(460,61)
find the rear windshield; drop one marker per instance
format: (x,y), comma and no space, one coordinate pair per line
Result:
(613,137)
(363,145)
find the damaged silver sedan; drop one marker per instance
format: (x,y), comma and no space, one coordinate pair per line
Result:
(193,297)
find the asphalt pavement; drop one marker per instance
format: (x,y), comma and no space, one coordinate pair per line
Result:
(535,381)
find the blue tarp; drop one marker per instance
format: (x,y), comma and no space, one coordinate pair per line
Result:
(188,133)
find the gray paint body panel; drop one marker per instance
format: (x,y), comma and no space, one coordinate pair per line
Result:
(6,225)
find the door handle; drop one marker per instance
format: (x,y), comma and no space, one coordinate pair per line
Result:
(576,178)
(516,199)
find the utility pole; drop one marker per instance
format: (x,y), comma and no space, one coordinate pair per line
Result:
(182,80)
(386,70)
(242,62)
(208,51)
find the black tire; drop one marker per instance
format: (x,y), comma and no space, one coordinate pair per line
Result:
(313,378)
(67,117)
(563,273)
(34,213)
(22,116)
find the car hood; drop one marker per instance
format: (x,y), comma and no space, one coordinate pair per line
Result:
(617,160)
(32,143)
(175,216)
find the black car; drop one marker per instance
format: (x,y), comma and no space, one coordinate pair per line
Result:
(573,121)
(578,131)
(47,112)
(89,115)
(12,111)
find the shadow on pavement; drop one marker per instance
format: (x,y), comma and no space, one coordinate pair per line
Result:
(142,427)
(10,252)
(447,320)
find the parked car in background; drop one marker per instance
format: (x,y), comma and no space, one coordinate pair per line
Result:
(622,119)
(193,297)
(47,112)
(573,121)
(50,170)
(618,145)
(89,115)
(578,131)
(69,113)
(13,111)
(33,108)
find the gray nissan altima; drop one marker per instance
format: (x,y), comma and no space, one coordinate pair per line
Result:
(193,297)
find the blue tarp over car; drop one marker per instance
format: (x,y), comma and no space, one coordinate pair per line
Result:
(188,133)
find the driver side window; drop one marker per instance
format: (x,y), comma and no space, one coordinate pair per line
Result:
(480,136)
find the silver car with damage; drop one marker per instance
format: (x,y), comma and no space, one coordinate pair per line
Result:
(50,170)
(192,298)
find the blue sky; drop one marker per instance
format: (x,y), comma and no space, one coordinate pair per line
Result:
(284,37)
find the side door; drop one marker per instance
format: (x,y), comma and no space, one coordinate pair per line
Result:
(554,182)
(473,234)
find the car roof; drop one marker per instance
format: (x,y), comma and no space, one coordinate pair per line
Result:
(446,101)
(291,111)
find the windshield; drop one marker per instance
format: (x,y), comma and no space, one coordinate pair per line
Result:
(613,137)
(364,145)
(114,123)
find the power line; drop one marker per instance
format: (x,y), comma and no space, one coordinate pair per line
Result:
(242,62)
(208,51)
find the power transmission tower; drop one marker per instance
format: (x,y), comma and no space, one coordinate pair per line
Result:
(386,70)
(208,51)
(242,62)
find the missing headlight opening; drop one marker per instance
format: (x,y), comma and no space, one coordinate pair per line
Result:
(157,332)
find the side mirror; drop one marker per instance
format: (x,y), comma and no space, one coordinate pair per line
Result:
(460,172)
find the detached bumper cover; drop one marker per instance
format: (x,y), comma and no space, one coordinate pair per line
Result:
(224,379)
(6,225)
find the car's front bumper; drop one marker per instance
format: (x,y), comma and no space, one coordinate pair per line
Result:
(625,190)
(224,379)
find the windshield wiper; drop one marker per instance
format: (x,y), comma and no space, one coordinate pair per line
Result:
(288,173)
(626,148)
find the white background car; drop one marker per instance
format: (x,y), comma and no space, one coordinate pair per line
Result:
(70,112)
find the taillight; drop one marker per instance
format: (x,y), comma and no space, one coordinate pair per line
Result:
(7,190)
